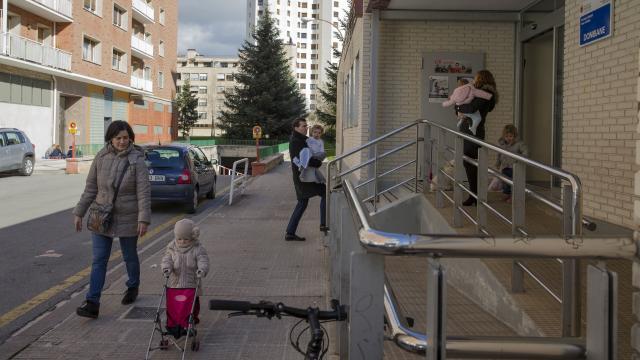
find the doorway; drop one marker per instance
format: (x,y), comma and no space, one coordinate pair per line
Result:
(541,77)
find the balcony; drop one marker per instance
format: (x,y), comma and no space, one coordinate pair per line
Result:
(141,84)
(33,51)
(141,47)
(54,10)
(143,12)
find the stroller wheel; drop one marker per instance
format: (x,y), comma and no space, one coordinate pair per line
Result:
(164,344)
(195,345)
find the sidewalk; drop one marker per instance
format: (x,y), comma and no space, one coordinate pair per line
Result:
(249,261)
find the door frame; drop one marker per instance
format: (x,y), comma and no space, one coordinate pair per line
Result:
(552,21)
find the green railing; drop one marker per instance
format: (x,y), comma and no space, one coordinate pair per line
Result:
(224,141)
(273,149)
(88,149)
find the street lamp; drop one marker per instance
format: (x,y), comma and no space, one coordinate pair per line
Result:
(306,20)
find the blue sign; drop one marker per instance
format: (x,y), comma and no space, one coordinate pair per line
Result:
(595,25)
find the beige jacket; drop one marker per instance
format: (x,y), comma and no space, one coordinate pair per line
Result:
(183,264)
(133,203)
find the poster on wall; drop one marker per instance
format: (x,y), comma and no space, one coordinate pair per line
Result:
(596,20)
(438,88)
(451,66)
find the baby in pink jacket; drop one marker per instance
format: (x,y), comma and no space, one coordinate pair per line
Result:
(464,94)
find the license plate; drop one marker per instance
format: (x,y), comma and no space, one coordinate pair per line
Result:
(156,177)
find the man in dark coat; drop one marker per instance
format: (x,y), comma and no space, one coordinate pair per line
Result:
(304,190)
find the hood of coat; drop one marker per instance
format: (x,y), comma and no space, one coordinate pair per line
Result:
(131,153)
(174,246)
(492,90)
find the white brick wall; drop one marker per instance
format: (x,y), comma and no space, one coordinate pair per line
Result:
(600,114)
(401,46)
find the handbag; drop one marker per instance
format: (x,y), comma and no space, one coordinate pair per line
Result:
(101,215)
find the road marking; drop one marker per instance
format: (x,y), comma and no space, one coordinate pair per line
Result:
(20,310)
(29,305)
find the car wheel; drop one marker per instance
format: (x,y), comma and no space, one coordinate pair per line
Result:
(27,166)
(212,194)
(193,204)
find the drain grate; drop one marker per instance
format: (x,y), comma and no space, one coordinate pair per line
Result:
(142,313)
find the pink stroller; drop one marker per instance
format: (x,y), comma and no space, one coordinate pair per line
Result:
(182,308)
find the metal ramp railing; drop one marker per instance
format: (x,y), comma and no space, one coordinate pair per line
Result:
(570,246)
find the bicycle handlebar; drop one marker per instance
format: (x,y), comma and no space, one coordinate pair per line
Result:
(269,309)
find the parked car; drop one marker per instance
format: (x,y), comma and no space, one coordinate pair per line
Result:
(16,151)
(180,173)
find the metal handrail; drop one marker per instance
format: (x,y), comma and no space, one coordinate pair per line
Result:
(456,245)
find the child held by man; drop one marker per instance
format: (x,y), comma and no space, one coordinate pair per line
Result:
(510,142)
(464,94)
(186,261)
(315,144)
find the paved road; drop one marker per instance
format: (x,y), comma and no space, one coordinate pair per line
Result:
(40,249)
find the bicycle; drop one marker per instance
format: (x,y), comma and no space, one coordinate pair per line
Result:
(316,348)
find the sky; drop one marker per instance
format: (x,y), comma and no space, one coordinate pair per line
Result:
(212,27)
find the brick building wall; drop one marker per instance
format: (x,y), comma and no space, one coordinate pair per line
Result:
(600,114)
(402,44)
(29,22)
(70,38)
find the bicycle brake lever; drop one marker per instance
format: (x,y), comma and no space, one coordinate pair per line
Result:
(240,313)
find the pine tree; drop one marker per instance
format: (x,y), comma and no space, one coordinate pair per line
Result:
(266,94)
(186,105)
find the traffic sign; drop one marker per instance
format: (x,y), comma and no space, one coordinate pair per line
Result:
(257,132)
(72,125)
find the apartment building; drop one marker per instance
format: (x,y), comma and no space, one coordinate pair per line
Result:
(89,62)
(310,26)
(209,77)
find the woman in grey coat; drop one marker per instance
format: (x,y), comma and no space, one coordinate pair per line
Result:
(131,210)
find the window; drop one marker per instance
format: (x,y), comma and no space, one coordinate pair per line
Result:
(194,76)
(303,86)
(314,66)
(224,64)
(334,45)
(119,60)
(119,17)
(157,130)
(203,77)
(162,16)
(314,56)
(160,80)
(312,96)
(301,65)
(18,89)
(202,102)
(314,26)
(302,45)
(91,50)
(202,90)
(314,46)
(202,116)
(302,35)
(302,55)
(336,4)
(229,77)
(303,5)
(161,48)
(336,14)
(302,76)
(193,89)
(140,129)
(315,6)
(219,89)
(314,36)
(91,5)
(312,86)
(314,76)
(220,77)
(312,107)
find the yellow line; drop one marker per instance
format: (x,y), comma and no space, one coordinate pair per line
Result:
(20,310)
(73,279)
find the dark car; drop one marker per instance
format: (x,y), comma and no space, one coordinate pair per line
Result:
(16,151)
(180,173)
